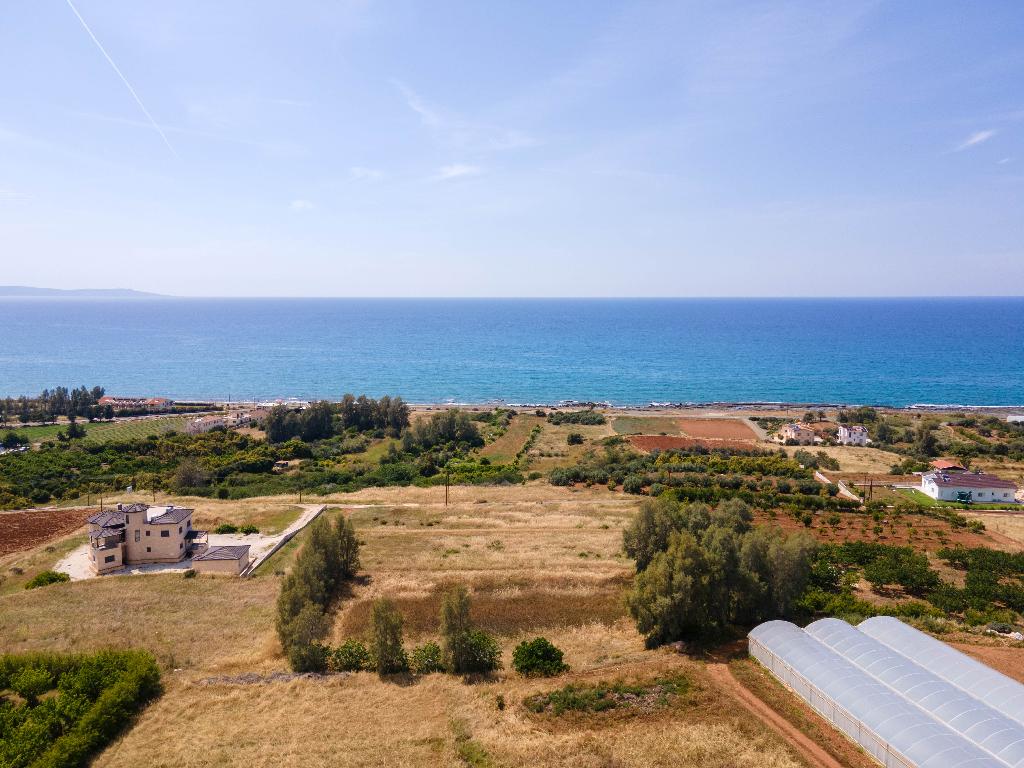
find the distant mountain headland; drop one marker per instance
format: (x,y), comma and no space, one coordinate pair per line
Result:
(77,293)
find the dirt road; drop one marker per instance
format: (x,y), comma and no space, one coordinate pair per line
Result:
(813,754)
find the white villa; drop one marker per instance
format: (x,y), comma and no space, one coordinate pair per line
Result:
(853,435)
(968,486)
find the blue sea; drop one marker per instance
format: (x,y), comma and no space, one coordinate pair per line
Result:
(627,351)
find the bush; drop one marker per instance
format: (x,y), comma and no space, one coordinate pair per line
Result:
(45,578)
(484,654)
(590,417)
(387,639)
(574,438)
(426,659)
(351,656)
(248,529)
(31,683)
(465,650)
(538,658)
(633,484)
(226,528)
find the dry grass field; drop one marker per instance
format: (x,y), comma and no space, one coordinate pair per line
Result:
(505,448)
(854,459)
(537,559)
(551,449)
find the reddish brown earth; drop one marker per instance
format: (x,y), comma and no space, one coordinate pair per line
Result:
(1007,659)
(813,753)
(24,530)
(649,443)
(717,429)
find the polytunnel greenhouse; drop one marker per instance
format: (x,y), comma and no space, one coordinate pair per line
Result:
(890,726)
(994,688)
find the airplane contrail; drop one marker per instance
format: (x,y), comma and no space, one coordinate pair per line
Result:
(124,79)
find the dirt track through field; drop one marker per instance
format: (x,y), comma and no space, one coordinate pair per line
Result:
(811,752)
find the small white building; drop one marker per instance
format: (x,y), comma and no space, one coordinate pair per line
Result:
(205,424)
(853,435)
(968,486)
(1016,418)
(798,433)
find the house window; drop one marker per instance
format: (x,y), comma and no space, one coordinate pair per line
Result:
(137,532)
(165,534)
(181,546)
(179,529)
(149,549)
(147,533)
(108,559)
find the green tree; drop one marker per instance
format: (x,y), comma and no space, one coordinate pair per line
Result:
(455,628)
(387,639)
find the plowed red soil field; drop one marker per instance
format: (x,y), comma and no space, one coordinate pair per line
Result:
(24,530)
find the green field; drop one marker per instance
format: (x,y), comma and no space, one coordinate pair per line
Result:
(646,425)
(107,431)
(927,501)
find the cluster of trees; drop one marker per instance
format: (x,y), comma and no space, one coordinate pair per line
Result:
(464,649)
(96,696)
(588,416)
(993,581)
(452,428)
(702,569)
(327,561)
(82,402)
(819,460)
(323,419)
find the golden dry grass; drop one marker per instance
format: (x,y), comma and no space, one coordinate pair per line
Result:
(358,720)
(853,458)
(551,449)
(505,448)
(536,559)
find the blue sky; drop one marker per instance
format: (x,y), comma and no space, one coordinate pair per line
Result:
(591,148)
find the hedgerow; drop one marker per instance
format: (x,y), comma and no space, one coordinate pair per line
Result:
(97,695)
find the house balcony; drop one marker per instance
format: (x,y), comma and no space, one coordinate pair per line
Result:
(196,542)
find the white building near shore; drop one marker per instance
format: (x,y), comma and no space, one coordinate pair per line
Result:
(968,486)
(853,435)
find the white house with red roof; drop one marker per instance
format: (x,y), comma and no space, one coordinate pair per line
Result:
(975,487)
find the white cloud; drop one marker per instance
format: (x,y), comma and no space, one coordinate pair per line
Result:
(1004,160)
(10,195)
(458,171)
(978,137)
(467,134)
(366,174)
(301,205)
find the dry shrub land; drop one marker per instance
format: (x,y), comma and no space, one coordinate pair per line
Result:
(537,559)
(548,563)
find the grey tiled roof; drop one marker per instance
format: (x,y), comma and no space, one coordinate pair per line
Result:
(224,553)
(195,534)
(102,533)
(175,515)
(107,518)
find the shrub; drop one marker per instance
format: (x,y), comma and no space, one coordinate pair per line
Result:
(426,659)
(576,417)
(465,650)
(31,683)
(45,578)
(574,438)
(633,484)
(484,654)
(387,639)
(226,528)
(538,658)
(351,656)
(248,529)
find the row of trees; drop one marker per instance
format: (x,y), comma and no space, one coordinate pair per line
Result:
(328,560)
(49,404)
(700,570)
(325,419)
(464,649)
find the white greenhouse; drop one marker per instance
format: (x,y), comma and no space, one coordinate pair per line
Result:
(884,721)
(994,688)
